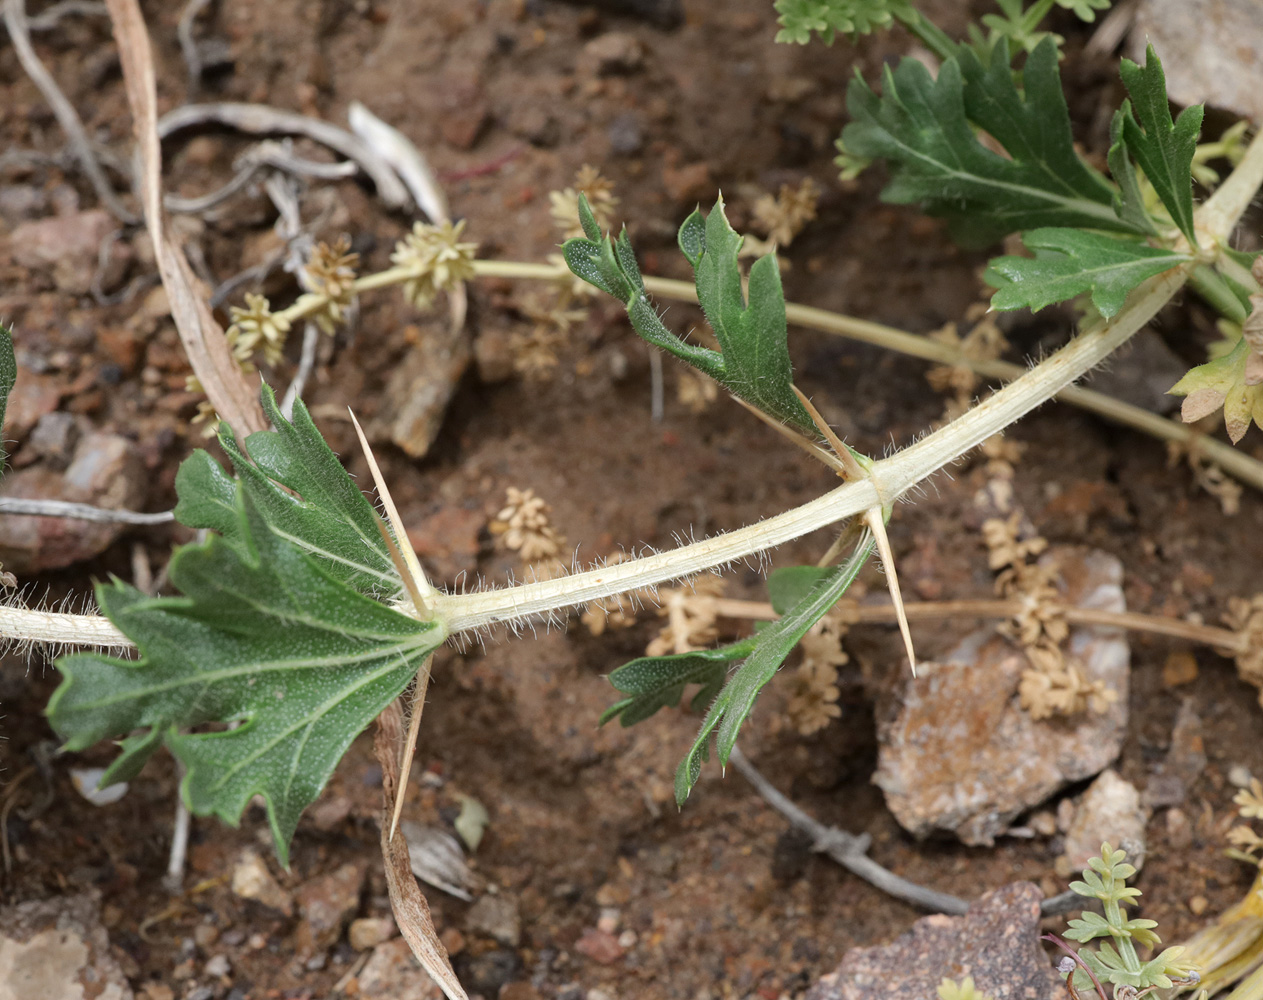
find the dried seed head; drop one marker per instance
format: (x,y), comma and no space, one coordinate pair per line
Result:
(438,259)
(523,526)
(565,204)
(255,327)
(783,217)
(330,274)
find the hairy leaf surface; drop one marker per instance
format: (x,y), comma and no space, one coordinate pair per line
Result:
(1069,262)
(772,645)
(922,127)
(654,682)
(753,361)
(270,637)
(299,487)
(1163,148)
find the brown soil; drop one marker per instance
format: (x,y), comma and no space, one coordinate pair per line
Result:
(723,902)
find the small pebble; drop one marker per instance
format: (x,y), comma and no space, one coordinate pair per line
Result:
(1197,905)
(218,967)
(1239,776)
(205,935)
(609,919)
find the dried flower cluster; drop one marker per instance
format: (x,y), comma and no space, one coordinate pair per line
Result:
(696,392)
(205,415)
(535,352)
(1053,684)
(813,701)
(1246,844)
(783,217)
(984,342)
(256,328)
(437,258)
(1245,617)
(523,526)
(600,195)
(691,614)
(1207,475)
(329,276)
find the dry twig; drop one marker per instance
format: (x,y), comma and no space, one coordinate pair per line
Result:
(18,26)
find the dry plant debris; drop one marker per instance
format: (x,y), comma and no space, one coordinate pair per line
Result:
(696,392)
(1245,617)
(813,702)
(1053,684)
(565,204)
(783,217)
(984,342)
(1207,475)
(523,526)
(691,614)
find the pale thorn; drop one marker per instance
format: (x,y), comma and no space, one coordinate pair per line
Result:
(853,469)
(415,573)
(876,524)
(803,442)
(409,748)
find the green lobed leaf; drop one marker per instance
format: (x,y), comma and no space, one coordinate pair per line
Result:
(1069,262)
(1163,148)
(268,636)
(772,645)
(828,18)
(8,375)
(655,682)
(753,361)
(1129,202)
(924,127)
(299,487)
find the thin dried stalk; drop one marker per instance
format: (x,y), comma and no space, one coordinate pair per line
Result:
(234,395)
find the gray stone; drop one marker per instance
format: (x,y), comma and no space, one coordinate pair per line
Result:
(1109,811)
(497,917)
(958,753)
(56,949)
(996,942)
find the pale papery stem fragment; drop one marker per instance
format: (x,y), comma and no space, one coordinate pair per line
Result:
(412,912)
(233,394)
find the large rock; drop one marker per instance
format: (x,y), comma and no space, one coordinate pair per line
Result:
(958,753)
(57,950)
(106,471)
(66,245)
(996,942)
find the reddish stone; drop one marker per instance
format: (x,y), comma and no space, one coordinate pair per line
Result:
(599,946)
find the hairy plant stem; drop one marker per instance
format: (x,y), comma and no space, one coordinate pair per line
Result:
(889,478)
